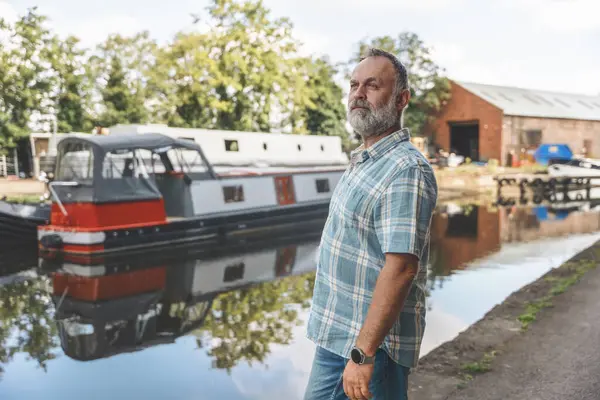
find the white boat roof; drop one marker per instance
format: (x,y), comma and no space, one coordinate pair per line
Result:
(236,148)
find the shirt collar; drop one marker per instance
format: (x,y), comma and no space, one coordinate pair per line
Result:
(382,146)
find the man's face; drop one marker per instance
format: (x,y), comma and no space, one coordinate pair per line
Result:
(372,103)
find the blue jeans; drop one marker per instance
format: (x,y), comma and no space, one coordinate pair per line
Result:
(389,381)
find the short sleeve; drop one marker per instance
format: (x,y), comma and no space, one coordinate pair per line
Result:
(402,216)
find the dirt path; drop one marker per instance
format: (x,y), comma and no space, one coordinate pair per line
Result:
(10,187)
(558,358)
(542,343)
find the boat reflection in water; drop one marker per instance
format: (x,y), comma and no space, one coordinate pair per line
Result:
(120,305)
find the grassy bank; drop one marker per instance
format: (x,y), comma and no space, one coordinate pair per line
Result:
(453,365)
(22,198)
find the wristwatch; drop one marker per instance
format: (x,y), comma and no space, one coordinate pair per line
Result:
(359,357)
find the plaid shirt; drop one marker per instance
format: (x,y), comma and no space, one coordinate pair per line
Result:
(383,203)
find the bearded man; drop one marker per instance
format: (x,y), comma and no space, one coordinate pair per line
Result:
(368,311)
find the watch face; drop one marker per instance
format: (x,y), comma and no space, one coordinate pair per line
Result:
(356,356)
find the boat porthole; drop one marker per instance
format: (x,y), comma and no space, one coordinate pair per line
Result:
(114,234)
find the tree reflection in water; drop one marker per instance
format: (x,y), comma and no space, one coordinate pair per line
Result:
(26,322)
(243,324)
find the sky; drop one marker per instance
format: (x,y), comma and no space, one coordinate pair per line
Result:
(539,44)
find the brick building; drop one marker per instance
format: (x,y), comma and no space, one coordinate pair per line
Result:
(486,122)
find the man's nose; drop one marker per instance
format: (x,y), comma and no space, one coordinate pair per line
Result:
(360,93)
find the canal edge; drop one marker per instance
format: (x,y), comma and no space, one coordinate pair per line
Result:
(451,366)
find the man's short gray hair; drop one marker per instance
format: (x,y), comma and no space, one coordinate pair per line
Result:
(401,73)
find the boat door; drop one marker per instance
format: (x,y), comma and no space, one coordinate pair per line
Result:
(284,263)
(285,190)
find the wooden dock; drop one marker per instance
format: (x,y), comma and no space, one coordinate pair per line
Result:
(543,188)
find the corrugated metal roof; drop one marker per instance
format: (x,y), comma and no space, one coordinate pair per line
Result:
(537,103)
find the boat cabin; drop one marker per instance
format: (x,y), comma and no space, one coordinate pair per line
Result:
(126,179)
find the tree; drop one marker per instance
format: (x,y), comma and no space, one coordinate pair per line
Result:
(183,82)
(318,107)
(120,70)
(242,74)
(430,90)
(25,84)
(73,86)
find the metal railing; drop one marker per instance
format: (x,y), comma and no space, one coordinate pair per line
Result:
(55,195)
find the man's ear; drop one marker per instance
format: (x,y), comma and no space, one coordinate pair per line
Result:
(403,99)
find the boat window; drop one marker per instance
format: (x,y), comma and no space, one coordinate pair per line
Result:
(264,146)
(75,163)
(322,185)
(299,147)
(233,194)
(231,145)
(156,164)
(126,163)
(186,160)
(322,148)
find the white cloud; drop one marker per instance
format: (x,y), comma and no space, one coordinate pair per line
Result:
(313,43)
(460,64)
(566,16)
(294,359)
(374,7)
(7,12)
(94,31)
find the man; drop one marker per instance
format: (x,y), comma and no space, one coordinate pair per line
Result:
(368,312)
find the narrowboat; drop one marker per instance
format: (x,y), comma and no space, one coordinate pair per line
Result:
(19,222)
(132,191)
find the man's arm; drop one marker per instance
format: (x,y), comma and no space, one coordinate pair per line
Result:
(402,220)
(391,290)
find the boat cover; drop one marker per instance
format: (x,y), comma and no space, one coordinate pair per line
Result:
(99,189)
(547,152)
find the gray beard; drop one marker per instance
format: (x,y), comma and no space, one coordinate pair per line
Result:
(369,123)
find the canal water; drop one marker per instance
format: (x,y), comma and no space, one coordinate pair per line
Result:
(231,324)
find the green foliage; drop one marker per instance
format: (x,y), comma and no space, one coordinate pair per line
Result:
(324,113)
(246,322)
(24,83)
(242,73)
(570,273)
(73,86)
(430,90)
(479,367)
(120,69)
(26,310)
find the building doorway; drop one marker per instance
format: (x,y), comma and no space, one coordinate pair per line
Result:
(464,139)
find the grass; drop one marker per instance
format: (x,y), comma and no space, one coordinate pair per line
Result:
(23,199)
(477,367)
(559,285)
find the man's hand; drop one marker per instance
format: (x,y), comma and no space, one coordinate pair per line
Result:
(356,380)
